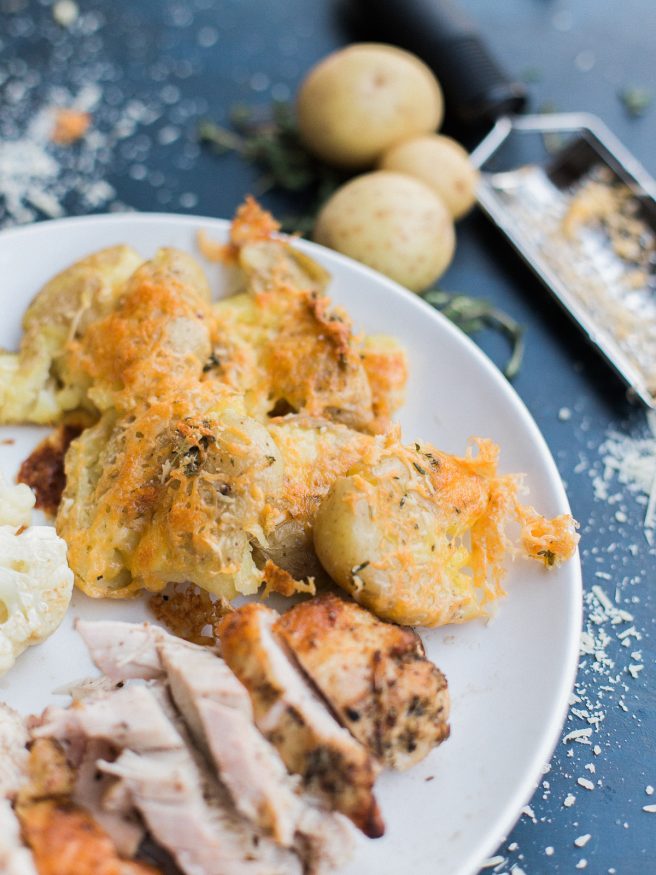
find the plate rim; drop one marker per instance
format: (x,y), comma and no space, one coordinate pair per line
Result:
(506,819)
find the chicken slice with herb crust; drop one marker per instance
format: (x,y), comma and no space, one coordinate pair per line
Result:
(375,676)
(287,711)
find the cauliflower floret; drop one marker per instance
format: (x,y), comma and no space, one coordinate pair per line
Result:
(16,503)
(35,588)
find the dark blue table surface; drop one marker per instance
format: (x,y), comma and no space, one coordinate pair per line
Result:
(179,60)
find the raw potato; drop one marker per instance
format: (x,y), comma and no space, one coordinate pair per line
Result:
(442,164)
(359,101)
(391,222)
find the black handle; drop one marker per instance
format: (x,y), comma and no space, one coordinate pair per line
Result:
(475,87)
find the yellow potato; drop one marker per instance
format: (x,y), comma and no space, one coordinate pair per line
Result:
(361,100)
(381,537)
(391,222)
(442,164)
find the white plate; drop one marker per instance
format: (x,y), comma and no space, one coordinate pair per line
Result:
(509,679)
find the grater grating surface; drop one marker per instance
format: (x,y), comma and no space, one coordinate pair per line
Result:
(587,225)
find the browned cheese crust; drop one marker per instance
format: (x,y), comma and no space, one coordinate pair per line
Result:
(172,492)
(284,344)
(160,333)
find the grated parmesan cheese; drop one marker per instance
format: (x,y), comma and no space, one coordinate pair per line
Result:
(632,461)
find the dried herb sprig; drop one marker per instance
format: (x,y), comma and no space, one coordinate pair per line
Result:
(474,314)
(267,137)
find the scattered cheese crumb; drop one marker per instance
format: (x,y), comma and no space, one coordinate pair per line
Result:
(528,811)
(582,864)
(596,750)
(585,783)
(577,735)
(582,841)
(549,851)
(65,12)
(564,414)
(493,862)
(570,799)
(649,790)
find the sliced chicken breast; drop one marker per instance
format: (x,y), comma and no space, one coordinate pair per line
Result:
(182,806)
(204,838)
(288,712)
(93,789)
(217,708)
(374,675)
(123,650)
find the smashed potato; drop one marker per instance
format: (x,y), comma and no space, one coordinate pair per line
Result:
(173,492)
(418,536)
(34,383)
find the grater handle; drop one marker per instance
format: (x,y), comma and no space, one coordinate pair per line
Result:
(476,88)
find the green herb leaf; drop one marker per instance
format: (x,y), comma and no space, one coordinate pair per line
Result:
(474,314)
(267,137)
(549,557)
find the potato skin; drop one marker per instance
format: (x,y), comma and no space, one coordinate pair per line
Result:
(361,100)
(392,223)
(442,164)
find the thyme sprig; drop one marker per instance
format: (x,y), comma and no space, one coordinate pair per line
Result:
(267,137)
(474,314)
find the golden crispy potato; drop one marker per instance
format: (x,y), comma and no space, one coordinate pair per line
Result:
(361,100)
(288,350)
(440,162)
(161,331)
(417,536)
(34,385)
(390,222)
(174,491)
